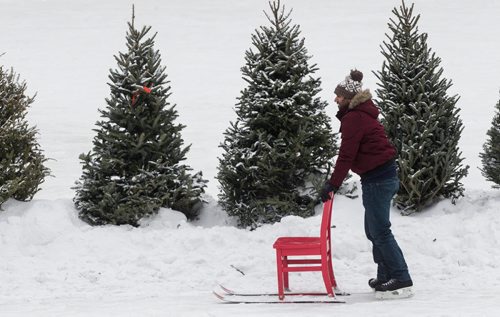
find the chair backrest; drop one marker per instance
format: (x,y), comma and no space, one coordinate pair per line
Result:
(326,223)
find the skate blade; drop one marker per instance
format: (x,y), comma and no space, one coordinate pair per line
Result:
(397,294)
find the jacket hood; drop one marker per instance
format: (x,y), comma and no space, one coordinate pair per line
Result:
(362,102)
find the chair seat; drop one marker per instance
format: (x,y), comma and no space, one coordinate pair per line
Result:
(297,243)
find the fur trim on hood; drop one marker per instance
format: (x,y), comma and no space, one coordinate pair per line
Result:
(359,98)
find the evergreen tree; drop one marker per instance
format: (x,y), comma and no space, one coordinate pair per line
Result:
(277,151)
(491,155)
(22,167)
(419,116)
(135,165)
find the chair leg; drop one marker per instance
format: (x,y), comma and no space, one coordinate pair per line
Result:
(326,278)
(285,274)
(332,275)
(279,266)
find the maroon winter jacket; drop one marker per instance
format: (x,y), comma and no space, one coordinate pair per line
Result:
(364,143)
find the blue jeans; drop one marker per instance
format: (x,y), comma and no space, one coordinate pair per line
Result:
(377,198)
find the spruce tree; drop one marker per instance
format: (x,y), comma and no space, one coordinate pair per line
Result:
(22,168)
(135,165)
(491,155)
(276,153)
(420,117)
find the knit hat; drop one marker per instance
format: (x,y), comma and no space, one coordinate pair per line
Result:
(351,85)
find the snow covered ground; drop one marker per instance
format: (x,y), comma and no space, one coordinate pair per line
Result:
(52,264)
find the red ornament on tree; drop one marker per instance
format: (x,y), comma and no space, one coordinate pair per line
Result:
(137,92)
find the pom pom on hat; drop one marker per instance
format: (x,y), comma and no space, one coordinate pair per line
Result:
(351,85)
(356,75)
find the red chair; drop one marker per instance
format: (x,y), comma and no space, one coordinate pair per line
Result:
(307,246)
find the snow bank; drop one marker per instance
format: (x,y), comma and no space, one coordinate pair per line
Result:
(51,258)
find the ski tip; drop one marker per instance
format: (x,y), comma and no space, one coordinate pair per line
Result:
(225,289)
(219,296)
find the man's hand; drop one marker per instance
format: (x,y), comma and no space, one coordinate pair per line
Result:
(325,192)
